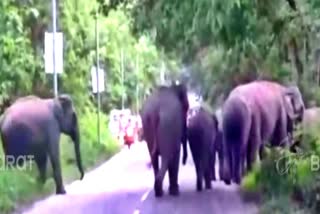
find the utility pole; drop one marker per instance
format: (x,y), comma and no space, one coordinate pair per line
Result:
(122,79)
(54,29)
(137,86)
(97,73)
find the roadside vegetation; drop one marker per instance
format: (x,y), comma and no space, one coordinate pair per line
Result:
(23,24)
(217,44)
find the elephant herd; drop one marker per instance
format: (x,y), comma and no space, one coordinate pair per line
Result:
(253,115)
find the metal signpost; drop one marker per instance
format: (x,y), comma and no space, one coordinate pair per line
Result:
(97,76)
(53,63)
(54,50)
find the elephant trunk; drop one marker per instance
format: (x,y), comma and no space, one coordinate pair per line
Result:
(76,139)
(184,139)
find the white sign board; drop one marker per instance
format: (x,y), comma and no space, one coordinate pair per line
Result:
(48,52)
(94,79)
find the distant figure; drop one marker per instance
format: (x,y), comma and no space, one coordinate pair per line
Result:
(129,134)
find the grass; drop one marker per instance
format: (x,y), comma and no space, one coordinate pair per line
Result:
(20,187)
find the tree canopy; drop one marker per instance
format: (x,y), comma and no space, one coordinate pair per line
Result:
(236,41)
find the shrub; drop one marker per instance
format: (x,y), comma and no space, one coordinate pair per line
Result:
(287,180)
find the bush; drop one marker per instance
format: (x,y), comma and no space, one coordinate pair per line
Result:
(287,180)
(17,186)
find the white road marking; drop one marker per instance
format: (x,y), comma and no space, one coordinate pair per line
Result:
(136,211)
(145,195)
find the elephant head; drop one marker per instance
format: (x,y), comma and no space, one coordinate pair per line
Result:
(68,122)
(294,104)
(181,91)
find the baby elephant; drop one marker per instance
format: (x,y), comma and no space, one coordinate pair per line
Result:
(202,130)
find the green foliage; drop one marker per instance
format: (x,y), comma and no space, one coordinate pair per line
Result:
(119,51)
(22,27)
(292,177)
(236,41)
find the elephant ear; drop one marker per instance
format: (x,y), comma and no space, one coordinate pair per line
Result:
(64,112)
(66,102)
(293,103)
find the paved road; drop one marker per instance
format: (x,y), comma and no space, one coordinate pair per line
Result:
(124,184)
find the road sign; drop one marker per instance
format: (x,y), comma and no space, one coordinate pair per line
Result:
(48,52)
(94,80)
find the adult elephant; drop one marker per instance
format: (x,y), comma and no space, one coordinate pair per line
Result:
(164,118)
(202,131)
(32,126)
(310,121)
(311,117)
(254,113)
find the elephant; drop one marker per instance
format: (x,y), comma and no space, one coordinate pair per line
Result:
(311,120)
(164,122)
(32,126)
(202,131)
(253,114)
(311,117)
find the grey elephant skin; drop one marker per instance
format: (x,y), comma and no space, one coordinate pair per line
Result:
(164,115)
(32,126)
(202,131)
(311,117)
(311,120)
(253,114)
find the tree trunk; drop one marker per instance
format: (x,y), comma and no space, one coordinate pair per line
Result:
(295,58)
(317,71)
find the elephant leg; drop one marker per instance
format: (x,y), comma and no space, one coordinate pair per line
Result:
(239,150)
(207,176)
(212,163)
(41,161)
(54,155)
(254,145)
(261,152)
(212,168)
(173,175)
(236,163)
(226,164)
(155,164)
(220,159)
(199,173)
(159,177)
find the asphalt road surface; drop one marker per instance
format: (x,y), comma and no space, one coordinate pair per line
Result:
(124,184)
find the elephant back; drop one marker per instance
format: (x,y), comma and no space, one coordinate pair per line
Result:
(201,120)
(27,108)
